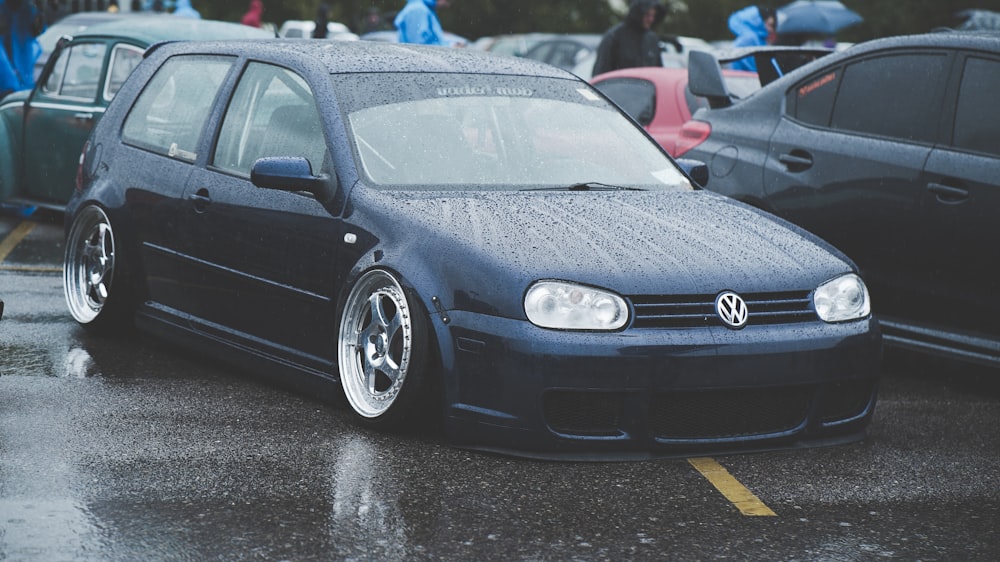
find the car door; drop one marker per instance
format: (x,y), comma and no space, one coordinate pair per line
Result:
(266,257)
(961,199)
(160,138)
(59,117)
(847,157)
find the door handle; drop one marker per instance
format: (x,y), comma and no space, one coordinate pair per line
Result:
(796,161)
(83,116)
(947,194)
(201,200)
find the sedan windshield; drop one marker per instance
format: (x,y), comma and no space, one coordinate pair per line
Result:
(487,132)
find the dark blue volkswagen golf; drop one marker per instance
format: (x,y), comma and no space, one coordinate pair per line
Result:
(450,234)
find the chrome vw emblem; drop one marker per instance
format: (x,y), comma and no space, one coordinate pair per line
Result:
(731,309)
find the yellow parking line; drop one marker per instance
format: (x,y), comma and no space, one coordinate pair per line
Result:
(742,498)
(30,269)
(14,238)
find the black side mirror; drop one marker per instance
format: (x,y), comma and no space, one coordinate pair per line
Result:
(289,173)
(695,169)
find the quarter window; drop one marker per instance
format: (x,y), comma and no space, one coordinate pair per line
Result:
(977,117)
(812,100)
(170,113)
(897,96)
(124,59)
(272,113)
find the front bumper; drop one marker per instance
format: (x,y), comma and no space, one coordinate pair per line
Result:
(513,387)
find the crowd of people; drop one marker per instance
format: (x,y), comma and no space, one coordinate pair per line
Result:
(631,43)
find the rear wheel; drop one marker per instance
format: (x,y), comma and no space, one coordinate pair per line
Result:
(94,285)
(382,350)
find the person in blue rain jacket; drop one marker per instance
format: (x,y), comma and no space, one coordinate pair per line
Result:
(418,23)
(20,24)
(753,26)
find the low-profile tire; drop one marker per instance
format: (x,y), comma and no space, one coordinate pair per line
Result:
(94,283)
(383,351)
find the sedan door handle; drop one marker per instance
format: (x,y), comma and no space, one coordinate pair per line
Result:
(796,160)
(83,116)
(201,200)
(948,194)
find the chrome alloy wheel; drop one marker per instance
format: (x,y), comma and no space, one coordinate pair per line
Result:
(375,344)
(89,268)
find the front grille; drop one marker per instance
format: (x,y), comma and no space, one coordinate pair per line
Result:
(721,414)
(695,311)
(584,413)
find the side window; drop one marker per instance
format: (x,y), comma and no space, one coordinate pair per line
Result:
(977,117)
(124,59)
(896,96)
(812,100)
(272,113)
(77,72)
(170,113)
(634,95)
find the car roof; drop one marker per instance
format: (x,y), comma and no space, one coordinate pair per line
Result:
(984,40)
(375,57)
(153,29)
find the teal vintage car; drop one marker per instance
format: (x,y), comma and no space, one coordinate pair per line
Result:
(43,130)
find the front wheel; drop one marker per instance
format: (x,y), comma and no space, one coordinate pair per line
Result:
(95,288)
(382,350)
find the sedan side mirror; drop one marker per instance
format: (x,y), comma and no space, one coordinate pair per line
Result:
(289,173)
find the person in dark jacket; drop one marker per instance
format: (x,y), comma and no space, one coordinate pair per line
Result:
(632,42)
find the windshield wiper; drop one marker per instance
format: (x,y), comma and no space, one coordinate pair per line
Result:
(587,186)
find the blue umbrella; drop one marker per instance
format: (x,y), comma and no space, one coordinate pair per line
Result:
(818,17)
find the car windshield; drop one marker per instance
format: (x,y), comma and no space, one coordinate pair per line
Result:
(487,132)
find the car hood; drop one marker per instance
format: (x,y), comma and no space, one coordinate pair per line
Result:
(631,242)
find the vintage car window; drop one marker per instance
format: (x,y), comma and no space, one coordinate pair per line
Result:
(170,113)
(459,131)
(124,59)
(977,117)
(890,96)
(272,113)
(635,96)
(77,72)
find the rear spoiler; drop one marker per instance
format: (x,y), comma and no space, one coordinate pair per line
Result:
(705,69)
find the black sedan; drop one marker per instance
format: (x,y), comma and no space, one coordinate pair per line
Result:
(888,150)
(451,234)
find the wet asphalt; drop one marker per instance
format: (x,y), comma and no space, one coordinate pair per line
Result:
(129,449)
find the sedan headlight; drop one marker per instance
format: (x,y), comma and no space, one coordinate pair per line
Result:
(568,306)
(842,299)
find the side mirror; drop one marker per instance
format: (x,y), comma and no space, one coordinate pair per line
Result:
(705,79)
(289,173)
(695,169)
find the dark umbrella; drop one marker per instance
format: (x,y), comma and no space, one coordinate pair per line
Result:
(817,17)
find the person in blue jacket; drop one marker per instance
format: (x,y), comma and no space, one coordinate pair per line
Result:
(753,26)
(418,23)
(20,23)
(183,9)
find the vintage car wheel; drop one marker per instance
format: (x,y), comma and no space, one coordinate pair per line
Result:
(382,350)
(92,273)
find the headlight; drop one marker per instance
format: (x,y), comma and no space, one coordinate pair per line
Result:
(567,306)
(841,299)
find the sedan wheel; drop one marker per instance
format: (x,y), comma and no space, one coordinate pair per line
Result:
(381,349)
(91,270)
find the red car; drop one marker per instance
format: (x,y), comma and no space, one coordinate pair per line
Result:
(659,99)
